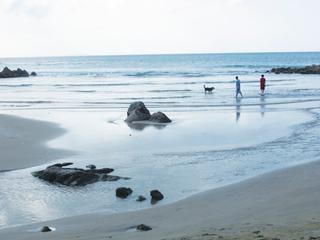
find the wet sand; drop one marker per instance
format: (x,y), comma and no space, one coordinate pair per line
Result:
(280,205)
(23,142)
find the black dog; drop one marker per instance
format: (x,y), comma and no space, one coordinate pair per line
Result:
(208,89)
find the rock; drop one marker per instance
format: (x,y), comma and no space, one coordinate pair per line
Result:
(123,192)
(143,228)
(61,164)
(7,73)
(156,196)
(45,229)
(313,69)
(141,198)
(137,111)
(56,174)
(160,117)
(33,74)
(91,166)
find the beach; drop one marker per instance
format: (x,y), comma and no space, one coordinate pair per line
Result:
(22,142)
(229,168)
(278,205)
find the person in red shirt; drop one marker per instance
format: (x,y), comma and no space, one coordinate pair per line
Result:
(262,84)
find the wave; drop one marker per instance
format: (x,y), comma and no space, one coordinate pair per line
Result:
(16,85)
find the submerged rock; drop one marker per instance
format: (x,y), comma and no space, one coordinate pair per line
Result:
(313,69)
(7,73)
(137,111)
(156,196)
(123,192)
(56,174)
(141,198)
(45,229)
(143,228)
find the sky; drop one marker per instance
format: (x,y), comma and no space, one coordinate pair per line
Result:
(117,27)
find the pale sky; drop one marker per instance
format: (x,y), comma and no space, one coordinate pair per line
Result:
(103,27)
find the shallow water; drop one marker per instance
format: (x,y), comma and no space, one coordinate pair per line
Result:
(214,139)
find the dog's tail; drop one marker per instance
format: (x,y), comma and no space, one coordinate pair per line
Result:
(204,86)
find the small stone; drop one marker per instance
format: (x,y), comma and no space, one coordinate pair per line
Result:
(143,228)
(123,192)
(256,232)
(45,229)
(156,196)
(91,166)
(141,198)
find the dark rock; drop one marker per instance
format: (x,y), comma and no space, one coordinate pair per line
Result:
(62,164)
(7,73)
(45,229)
(91,166)
(160,117)
(143,228)
(33,74)
(141,198)
(156,196)
(313,69)
(56,174)
(123,192)
(137,111)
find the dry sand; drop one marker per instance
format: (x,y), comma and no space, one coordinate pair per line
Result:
(279,205)
(23,142)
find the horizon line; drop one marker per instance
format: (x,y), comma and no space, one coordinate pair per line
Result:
(157,54)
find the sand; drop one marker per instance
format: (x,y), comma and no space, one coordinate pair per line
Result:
(23,142)
(283,204)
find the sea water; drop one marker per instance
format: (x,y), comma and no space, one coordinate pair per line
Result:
(214,140)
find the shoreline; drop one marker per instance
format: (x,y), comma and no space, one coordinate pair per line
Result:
(24,142)
(282,204)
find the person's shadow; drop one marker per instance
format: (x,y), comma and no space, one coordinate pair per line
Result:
(238,109)
(262,106)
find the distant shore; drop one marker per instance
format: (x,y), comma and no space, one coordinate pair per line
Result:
(23,142)
(279,205)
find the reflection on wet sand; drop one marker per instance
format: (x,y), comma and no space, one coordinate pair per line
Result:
(238,109)
(262,105)
(142,125)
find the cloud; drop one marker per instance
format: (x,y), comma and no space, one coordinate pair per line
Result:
(81,27)
(33,8)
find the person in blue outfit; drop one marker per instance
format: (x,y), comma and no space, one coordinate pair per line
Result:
(238,87)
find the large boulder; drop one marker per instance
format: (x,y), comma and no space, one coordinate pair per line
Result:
(313,69)
(137,111)
(160,117)
(7,73)
(56,174)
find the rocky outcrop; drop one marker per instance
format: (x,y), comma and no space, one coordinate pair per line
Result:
(137,111)
(123,192)
(313,69)
(156,196)
(57,174)
(7,73)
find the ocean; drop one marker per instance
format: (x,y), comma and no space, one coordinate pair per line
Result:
(214,140)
